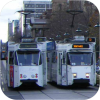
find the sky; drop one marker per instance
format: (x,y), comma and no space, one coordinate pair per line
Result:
(8,10)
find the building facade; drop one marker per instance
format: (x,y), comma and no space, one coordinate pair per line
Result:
(10,32)
(37,8)
(15,26)
(59,5)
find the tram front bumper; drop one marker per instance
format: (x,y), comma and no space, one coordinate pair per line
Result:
(81,81)
(29,80)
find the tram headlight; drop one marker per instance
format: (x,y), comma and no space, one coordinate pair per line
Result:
(32,76)
(74,75)
(24,76)
(87,75)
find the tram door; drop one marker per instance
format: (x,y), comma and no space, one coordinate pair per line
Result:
(10,69)
(44,63)
(49,66)
(61,69)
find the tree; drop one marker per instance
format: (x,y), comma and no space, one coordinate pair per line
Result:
(94,31)
(60,20)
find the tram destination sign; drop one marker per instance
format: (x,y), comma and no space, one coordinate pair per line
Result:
(80,46)
(41,39)
(28,45)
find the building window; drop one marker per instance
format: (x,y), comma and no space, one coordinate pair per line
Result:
(50,5)
(28,16)
(38,15)
(34,15)
(33,6)
(47,5)
(40,5)
(36,6)
(26,5)
(28,21)
(29,6)
(40,10)
(31,10)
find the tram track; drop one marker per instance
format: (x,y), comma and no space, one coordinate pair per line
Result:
(51,91)
(47,95)
(80,94)
(33,92)
(90,90)
(84,95)
(56,91)
(21,96)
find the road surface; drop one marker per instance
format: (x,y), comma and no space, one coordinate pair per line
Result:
(49,92)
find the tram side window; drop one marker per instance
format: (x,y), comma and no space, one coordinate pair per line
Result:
(47,58)
(40,61)
(92,59)
(16,62)
(64,55)
(54,60)
(68,60)
(11,57)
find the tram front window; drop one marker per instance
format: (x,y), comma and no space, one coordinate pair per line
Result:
(28,58)
(80,59)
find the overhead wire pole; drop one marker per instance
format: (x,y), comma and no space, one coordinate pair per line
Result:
(87,31)
(25,13)
(73,12)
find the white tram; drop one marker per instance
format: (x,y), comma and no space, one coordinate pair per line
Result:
(26,63)
(73,62)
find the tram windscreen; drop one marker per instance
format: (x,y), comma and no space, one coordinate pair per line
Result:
(28,58)
(80,59)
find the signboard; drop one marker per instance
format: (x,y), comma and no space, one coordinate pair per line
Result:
(27,40)
(50,46)
(91,39)
(80,46)
(41,39)
(28,46)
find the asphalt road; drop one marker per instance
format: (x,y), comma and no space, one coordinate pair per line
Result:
(49,92)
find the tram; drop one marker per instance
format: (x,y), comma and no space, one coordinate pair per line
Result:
(26,63)
(73,62)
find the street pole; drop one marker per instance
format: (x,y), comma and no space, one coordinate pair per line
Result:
(73,13)
(25,23)
(25,13)
(98,47)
